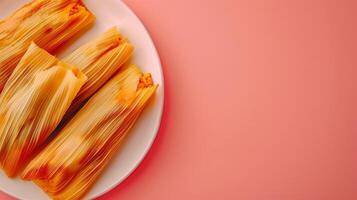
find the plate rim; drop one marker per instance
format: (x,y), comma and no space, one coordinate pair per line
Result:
(157,128)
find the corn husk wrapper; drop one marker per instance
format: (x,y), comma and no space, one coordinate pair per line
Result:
(69,165)
(48,23)
(99,60)
(33,102)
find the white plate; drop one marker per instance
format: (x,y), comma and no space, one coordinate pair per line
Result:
(109,13)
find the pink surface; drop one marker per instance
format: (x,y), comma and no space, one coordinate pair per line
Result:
(260,101)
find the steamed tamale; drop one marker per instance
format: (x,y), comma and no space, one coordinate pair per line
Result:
(48,23)
(69,165)
(34,100)
(99,60)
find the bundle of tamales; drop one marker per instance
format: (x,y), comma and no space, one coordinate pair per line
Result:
(98,60)
(69,165)
(33,102)
(38,91)
(48,23)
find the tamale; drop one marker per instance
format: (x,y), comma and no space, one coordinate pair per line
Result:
(70,164)
(33,102)
(99,60)
(48,23)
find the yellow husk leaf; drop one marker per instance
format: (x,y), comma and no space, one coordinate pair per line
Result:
(69,165)
(99,60)
(48,23)
(33,102)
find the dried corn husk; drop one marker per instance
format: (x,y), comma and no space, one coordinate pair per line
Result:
(33,102)
(48,23)
(69,165)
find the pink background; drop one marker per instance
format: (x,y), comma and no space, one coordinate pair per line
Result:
(260,101)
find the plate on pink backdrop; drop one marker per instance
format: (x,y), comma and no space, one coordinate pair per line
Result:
(109,13)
